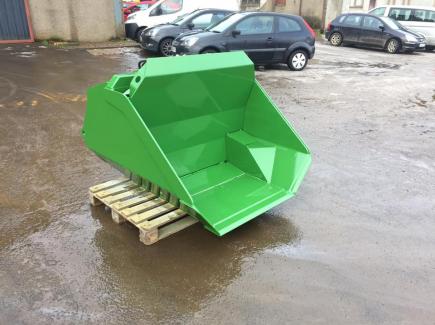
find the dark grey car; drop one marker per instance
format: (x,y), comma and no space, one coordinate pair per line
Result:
(159,38)
(372,31)
(266,38)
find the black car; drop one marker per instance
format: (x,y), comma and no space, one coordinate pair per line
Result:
(372,31)
(266,38)
(159,38)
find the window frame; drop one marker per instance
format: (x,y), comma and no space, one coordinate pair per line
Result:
(200,15)
(371,28)
(251,17)
(223,13)
(353,15)
(427,12)
(277,31)
(356,4)
(411,15)
(251,2)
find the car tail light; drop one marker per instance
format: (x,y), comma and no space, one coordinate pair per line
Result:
(328,28)
(312,32)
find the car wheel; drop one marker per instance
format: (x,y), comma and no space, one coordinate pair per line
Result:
(209,51)
(165,46)
(336,39)
(297,60)
(393,46)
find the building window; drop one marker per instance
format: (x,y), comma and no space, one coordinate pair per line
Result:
(251,2)
(356,3)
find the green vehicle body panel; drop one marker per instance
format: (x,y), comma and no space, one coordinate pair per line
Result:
(202,128)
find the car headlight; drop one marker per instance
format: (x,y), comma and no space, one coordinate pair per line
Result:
(131,17)
(410,38)
(151,32)
(190,41)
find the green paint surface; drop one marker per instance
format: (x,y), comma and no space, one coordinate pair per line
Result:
(202,128)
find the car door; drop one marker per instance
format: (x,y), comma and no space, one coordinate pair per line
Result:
(372,32)
(287,32)
(351,28)
(254,35)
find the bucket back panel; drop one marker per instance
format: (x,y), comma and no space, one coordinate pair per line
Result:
(192,105)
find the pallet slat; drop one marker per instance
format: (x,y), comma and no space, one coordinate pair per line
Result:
(134,201)
(121,196)
(153,213)
(107,185)
(146,207)
(167,218)
(142,207)
(116,190)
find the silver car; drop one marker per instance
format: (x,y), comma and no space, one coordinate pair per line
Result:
(417,19)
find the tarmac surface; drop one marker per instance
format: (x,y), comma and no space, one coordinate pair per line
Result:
(355,246)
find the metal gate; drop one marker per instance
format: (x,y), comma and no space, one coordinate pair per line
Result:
(15,22)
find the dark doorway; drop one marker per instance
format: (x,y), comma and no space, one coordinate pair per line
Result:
(15,21)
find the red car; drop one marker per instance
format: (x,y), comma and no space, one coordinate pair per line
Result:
(130,6)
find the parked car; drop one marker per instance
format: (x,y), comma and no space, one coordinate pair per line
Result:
(159,38)
(136,6)
(267,38)
(165,11)
(417,19)
(126,4)
(372,31)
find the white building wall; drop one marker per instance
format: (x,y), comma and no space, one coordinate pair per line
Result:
(365,5)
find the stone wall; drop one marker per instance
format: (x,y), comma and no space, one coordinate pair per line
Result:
(322,10)
(77,20)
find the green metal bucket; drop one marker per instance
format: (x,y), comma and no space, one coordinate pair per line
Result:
(202,128)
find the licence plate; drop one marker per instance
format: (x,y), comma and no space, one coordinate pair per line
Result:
(421,45)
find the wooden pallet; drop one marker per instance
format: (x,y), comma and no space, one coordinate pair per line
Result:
(146,206)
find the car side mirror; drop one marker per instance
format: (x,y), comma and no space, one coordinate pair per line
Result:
(190,25)
(235,32)
(382,27)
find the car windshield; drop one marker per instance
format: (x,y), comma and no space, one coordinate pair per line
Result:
(224,24)
(392,23)
(178,20)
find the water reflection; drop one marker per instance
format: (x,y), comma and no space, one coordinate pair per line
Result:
(173,278)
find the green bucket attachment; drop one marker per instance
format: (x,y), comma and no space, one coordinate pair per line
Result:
(203,129)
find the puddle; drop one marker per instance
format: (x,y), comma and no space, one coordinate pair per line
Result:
(24,54)
(355,64)
(115,52)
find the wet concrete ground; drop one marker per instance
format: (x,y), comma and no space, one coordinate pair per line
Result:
(355,246)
